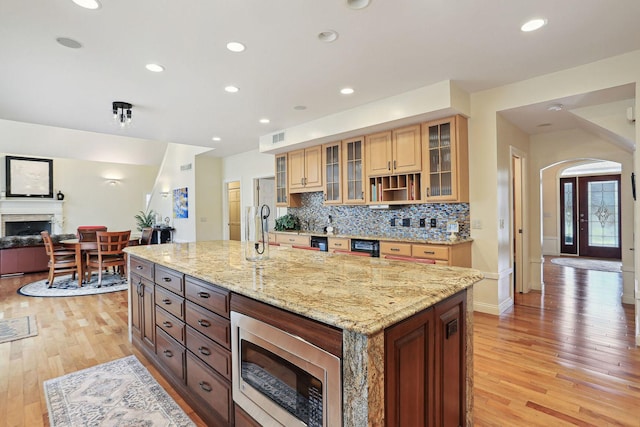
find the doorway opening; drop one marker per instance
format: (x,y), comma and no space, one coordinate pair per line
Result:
(233,197)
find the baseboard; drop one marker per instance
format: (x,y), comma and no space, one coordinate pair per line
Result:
(496,310)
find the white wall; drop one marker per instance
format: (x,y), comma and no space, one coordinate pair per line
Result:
(208,212)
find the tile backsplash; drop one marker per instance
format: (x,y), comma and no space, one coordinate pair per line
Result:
(364,221)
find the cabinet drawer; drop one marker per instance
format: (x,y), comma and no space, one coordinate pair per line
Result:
(430,251)
(170,353)
(170,324)
(395,248)
(142,267)
(209,352)
(208,296)
(293,239)
(171,302)
(170,279)
(210,387)
(338,243)
(210,324)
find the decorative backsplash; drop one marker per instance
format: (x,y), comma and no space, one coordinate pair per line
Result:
(364,221)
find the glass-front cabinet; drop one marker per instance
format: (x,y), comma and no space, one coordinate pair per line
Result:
(332,173)
(353,171)
(281,180)
(444,147)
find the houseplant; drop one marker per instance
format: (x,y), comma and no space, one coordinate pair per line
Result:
(145,219)
(287,222)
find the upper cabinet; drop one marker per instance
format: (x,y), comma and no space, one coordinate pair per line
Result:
(397,151)
(353,178)
(446,160)
(305,170)
(332,173)
(283,198)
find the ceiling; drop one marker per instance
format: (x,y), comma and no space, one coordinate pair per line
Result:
(386,48)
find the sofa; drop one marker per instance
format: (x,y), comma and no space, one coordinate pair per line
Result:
(25,254)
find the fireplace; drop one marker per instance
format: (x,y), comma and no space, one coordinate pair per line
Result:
(29,217)
(26,228)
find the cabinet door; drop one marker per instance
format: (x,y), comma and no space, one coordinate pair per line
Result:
(282,192)
(353,178)
(136,305)
(406,149)
(148,315)
(295,170)
(313,168)
(332,173)
(378,153)
(409,372)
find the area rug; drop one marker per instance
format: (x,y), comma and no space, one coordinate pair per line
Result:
(589,264)
(17,328)
(63,286)
(117,393)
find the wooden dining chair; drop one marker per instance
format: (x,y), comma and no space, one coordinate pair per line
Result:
(87,233)
(147,234)
(109,253)
(61,261)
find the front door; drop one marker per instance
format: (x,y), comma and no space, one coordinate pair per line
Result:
(233,192)
(599,216)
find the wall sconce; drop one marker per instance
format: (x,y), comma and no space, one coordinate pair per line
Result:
(113,182)
(164,194)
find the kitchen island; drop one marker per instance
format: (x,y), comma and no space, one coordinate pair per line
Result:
(364,298)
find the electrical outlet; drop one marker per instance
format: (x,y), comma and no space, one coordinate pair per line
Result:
(433,223)
(423,222)
(393,222)
(406,222)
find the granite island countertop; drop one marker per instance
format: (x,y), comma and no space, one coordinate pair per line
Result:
(362,295)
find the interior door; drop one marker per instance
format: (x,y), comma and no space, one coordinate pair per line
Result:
(568,216)
(599,216)
(233,190)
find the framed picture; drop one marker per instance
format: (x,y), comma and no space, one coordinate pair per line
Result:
(29,177)
(181,203)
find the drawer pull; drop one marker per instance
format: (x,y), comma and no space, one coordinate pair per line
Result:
(292,240)
(429,252)
(204,294)
(205,386)
(167,324)
(205,351)
(337,244)
(395,249)
(168,353)
(139,267)
(166,279)
(204,323)
(166,301)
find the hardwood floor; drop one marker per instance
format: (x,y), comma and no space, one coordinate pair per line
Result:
(565,356)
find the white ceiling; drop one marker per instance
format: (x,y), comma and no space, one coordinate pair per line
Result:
(389,47)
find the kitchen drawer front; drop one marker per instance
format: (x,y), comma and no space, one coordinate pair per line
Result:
(170,353)
(210,387)
(171,302)
(338,243)
(170,324)
(430,251)
(209,352)
(395,248)
(210,324)
(170,279)
(142,268)
(208,296)
(293,239)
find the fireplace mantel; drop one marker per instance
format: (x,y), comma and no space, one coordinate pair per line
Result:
(11,208)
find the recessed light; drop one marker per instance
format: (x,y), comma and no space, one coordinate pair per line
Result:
(358,4)
(300,107)
(555,107)
(264,121)
(88,4)
(156,68)
(70,43)
(533,25)
(216,138)
(328,36)
(346,91)
(235,46)
(231,89)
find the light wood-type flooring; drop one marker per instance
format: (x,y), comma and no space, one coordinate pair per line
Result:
(565,356)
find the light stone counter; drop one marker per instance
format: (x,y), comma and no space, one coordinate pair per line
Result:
(358,294)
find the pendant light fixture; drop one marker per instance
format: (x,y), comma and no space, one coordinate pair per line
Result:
(122,113)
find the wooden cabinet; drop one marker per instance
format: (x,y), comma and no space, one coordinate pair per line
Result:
(143,322)
(425,367)
(26,259)
(332,173)
(293,239)
(395,248)
(282,190)
(305,170)
(446,160)
(393,152)
(340,243)
(353,171)
(458,255)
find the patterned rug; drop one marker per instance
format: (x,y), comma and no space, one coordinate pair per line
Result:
(63,286)
(589,264)
(117,393)
(17,328)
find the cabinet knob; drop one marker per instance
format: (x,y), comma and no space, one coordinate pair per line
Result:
(139,267)
(205,386)
(204,323)
(167,324)
(166,279)
(166,301)
(168,353)
(205,351)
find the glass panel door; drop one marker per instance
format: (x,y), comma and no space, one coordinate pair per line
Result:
(568,215)
(599,216)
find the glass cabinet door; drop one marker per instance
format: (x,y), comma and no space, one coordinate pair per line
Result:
(440,160)
(353,171)
(331,162)
(281,180)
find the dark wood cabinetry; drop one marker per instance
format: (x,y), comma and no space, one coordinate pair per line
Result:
(425,367)
(143,303)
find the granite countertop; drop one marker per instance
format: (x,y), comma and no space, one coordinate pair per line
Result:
(380,238)
(363,295)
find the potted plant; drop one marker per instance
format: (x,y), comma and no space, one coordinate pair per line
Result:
(145,219)
(287,222)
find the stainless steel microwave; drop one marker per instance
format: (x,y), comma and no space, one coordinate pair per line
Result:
(281,379)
